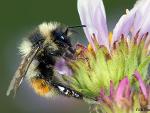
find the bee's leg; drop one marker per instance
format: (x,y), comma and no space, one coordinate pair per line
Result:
(55,53)
(62,53)
(66,91)
(79,45)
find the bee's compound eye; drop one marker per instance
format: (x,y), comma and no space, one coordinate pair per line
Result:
(62,37)
(59,37)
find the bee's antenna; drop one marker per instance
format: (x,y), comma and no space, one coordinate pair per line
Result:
(76,26)
(71,27)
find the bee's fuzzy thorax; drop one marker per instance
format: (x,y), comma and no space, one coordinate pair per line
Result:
(43,31)
(46,28)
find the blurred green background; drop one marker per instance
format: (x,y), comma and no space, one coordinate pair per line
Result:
(17,19)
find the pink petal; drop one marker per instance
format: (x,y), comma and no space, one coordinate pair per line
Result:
(141,83)
(92,14)
(124,25)
(104,98)
(111,89)
(128,90)
(102,93)
(121,89)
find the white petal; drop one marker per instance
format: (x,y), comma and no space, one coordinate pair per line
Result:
(118,28)
(92,14)
(124,25)
(101,26)
(137,18)
(145,27)
(143,12)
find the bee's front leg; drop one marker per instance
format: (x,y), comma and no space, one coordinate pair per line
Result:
(56,53)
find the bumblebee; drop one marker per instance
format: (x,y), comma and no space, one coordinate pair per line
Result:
(40,51)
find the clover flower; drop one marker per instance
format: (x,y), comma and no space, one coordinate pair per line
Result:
(112,70)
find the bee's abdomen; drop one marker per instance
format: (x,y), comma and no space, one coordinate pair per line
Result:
(45,67)
(46,70)
(41,87)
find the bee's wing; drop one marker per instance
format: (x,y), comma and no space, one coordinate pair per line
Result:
(21,71)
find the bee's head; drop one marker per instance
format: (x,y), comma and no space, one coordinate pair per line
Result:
(61,38)
(52,36)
